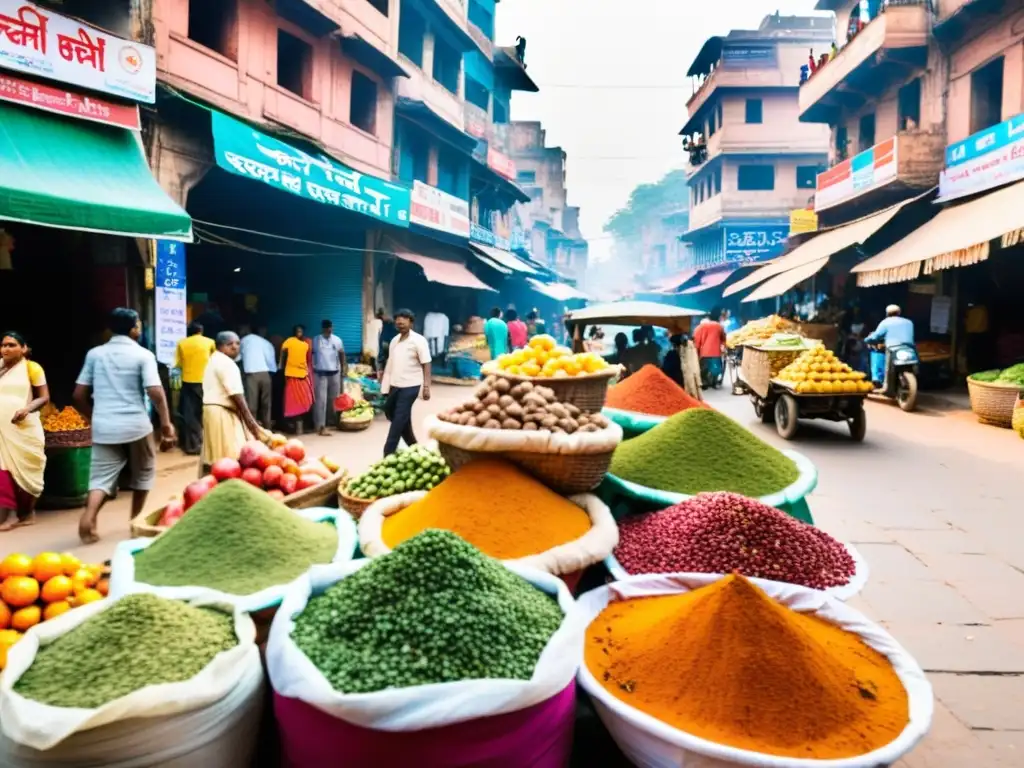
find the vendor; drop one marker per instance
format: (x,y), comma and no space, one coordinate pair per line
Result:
(227,420)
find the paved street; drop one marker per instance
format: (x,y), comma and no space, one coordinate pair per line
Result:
(933,500)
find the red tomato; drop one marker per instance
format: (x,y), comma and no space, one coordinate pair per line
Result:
(253,477)
(272,477)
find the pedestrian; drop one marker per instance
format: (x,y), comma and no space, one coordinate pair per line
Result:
(407,375)
(518,334)
(23,391)
(709,338)
(297,363)
(371,338)
(190,358)
(535,324)
(388,331)
(227,420)
(329,368)
(111,392)
(496,333)
(258,367)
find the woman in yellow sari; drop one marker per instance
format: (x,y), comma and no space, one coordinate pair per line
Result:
(23,392)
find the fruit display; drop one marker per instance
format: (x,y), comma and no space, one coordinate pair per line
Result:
(760,330)
(1010,377)
(501,404)
(280,468)
(818,371)
(360,411)
(543,358)
(412,469)
(64,420)
(40,588)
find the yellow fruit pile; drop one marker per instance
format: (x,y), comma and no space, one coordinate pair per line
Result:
(42,588)
(818,371)
(543,358)
(67,420)
(760,330)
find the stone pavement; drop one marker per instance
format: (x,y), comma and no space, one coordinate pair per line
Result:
(933,500)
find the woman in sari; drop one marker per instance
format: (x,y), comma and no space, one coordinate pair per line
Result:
(297,363)
(23,392)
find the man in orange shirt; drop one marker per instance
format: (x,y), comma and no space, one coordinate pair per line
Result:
(709,338)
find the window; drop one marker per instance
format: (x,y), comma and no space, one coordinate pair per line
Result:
(363,103)
(477,94)
(447,62)
(482,18)
(526,177)
(754,111)
(716,181)
(987,96)
(213,26)
(414,155)
(842,142)
(807,176)
(294,65)
(751,178)
(411,31)
(866,132)
(909,105)
(710,129)
(380,5)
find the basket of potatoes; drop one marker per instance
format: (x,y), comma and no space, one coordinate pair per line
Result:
(566,448)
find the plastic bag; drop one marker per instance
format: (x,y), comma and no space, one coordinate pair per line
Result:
(514,440)
(42,727)
(122,567)
(592,547)
(343,402)
(650,743)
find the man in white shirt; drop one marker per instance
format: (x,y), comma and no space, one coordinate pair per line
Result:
(258,364)
(227,420)
(407,373)
(435,329)
(329,369)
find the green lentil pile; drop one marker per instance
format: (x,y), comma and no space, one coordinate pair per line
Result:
(140,640)
(238,540)
(701,450)
(434,610)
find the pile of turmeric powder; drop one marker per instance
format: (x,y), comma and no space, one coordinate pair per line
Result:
(729,664)
(496,507)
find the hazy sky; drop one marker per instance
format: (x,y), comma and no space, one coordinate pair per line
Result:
(613,85)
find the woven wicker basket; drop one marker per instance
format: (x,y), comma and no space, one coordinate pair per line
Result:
(352,505)
(587,393)
(355,425)
(562,472)
(76,438)
(993,403)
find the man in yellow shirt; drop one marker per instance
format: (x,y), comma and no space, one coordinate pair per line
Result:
(190,357)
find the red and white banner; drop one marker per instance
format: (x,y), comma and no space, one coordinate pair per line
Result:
(44,44)
(430,207)
(62,102)
(501,163)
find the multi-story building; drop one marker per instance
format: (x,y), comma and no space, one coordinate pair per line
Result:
(751,160)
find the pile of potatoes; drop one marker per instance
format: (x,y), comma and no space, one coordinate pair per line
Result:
(500,404)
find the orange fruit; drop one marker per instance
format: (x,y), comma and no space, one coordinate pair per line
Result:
(5,616)
(26,618)
(55,609)
(46,566)
(87,596)
(15,565)
(8,637)
(83,579)
(19,591)
(103,586)
(70,563)
(56,589)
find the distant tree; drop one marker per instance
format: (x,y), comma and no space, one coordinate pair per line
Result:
(648,202)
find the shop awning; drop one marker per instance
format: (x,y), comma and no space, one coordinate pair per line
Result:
(73,174)
(957,237)
(779,284)
(491,263)
(671,283)
(440,271)
(824,245)
(556,291)
(710,280)
(505,258)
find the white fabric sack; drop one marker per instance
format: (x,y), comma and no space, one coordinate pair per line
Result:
(41,727)
(650,743)
(509,440)
(592,547)
(122,567)
(293,675)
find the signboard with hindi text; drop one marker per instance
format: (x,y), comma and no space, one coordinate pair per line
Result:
(987,159)
(868,170)
(63,102)
(171,303)
(434,208)
(242,150)
(39,42)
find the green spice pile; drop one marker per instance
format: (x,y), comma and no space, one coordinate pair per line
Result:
(1011,377)
(434,610)
(238,540)
(140,640)
(702,450)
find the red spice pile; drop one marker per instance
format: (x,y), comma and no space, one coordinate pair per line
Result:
(725,532)
(652,392)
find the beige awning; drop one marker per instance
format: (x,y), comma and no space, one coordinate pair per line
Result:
(824,245)
(957,237)
(779,284)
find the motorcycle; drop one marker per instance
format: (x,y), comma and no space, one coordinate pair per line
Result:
(901,367)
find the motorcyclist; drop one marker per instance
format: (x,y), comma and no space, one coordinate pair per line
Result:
(895,330)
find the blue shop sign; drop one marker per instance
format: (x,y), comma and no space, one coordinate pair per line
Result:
(989,158)
(242,150)
(483,235)
(171,306)
(749,244)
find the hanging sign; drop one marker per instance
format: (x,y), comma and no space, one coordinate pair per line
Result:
(802,220)
(989,158)
(745,245)
(871,169)
(45,44)
(171,305)
(434,208)
(64,102)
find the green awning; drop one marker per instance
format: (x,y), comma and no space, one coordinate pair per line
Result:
(68,173)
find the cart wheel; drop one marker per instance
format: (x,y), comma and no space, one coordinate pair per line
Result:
(763,411)
(787,413)
(858,426)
